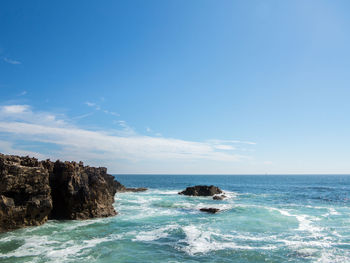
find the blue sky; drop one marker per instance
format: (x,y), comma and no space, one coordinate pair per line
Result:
(197,86)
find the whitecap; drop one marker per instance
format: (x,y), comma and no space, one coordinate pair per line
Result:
(164,192)
(54,250)
(154,234)
(198,240)
(305,222)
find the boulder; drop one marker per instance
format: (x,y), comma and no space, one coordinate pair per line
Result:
(219,197)
(201,190)
(210,210)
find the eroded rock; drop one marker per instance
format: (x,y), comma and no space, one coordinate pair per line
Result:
(201,190)
(33,191)
(81,192)
(25,198)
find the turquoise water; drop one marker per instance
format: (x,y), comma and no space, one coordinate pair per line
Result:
(264,219)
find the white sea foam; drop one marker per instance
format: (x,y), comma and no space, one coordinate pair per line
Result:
(72,225)
(306,222)
(249,237)
(154,234)
(54,250)
(164,192)
(33,246)
(147,211)
(307,252)
(73,249)
(295,244)
(231,195)
(333,257)
(200,240)
(331,212)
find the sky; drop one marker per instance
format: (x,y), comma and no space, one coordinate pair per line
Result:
(178,86)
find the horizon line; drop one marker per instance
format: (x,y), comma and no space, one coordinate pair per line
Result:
(230,174)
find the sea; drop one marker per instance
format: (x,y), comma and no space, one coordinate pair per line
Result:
(265,218)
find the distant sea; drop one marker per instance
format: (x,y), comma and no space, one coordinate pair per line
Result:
(264,219)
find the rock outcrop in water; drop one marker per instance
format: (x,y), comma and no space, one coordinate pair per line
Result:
(210,210)
(219,197)
(201,190)
(33,191)
(123,189)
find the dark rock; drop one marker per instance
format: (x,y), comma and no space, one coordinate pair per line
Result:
(25,198)
(81,192)
(122,189)
(32,191)
(201,190)
(210,210)
(126,189)
(139,189)
(219,197)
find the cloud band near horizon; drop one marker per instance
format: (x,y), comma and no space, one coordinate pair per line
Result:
(21,123)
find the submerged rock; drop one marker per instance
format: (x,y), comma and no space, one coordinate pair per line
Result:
(201,190)
(210,210)
(33,191)
(25,198)
(219,197)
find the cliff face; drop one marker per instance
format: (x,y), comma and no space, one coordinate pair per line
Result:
(33,191)
(80,192)
(25,198)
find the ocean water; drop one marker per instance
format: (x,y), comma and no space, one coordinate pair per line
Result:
(264,219)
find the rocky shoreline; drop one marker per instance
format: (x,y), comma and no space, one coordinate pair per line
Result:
(33,191)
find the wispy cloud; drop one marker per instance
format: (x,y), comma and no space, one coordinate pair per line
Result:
(216,141)
(126,129)
(15,109)
(12,61)
(90,104)
(111,113)
(99,108)
(82,116)
(224,147)
(150,131)
(24,113)
(21,122)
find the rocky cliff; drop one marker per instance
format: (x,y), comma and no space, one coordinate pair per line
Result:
(33,191)
(25,194)
(81,192)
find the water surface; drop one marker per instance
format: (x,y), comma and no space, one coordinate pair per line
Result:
(264,219)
